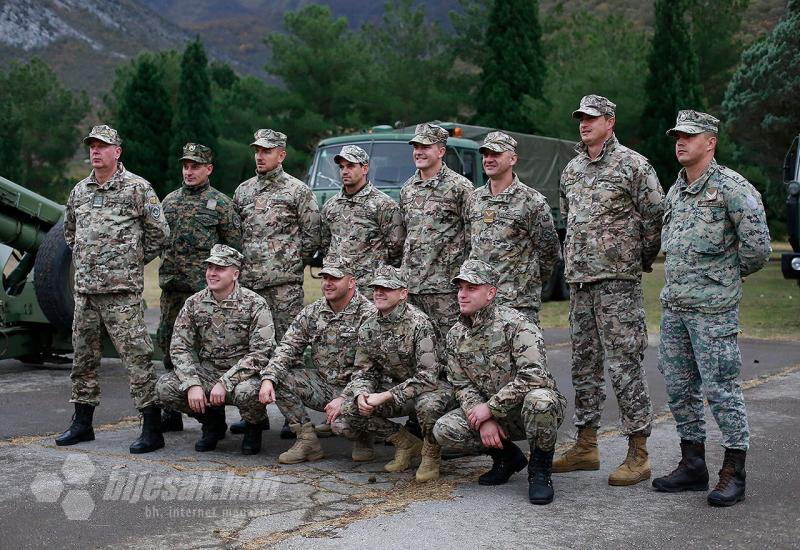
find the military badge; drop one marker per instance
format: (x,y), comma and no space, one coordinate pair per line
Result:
(419,200)
(488,216)
(211,204)
(153,200)
(711,194)
(218,320)
(261,203)
(98,201)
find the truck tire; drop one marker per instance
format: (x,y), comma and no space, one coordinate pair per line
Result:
(53,279)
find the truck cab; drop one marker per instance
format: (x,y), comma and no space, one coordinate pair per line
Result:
(790,261)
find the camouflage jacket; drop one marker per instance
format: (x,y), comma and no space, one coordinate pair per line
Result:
(433,213)
(280,228)
(513,231)
(331,336)
(366,227)
(199,217)
(113,230)
(235,336)
(613,207)
(399,347)
(715,233)
(497,358)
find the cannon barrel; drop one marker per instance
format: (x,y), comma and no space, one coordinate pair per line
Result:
(25,216)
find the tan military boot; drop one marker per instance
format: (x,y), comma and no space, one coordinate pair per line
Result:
(364,448)
(431,460)
(406,447)
(583,455)
(306,447)
(636,466)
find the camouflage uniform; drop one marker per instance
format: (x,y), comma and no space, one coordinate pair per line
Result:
(113,229)
(498,358)
(199,217)
(613,207)
(280,233)
(514,232)
(715,232)
(433,212)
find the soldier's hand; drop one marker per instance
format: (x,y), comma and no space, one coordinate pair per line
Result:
(218,394)
(266,394)
(197,399)
(492,435)
(378,399)
(334,409)
(478,415)
(363,406)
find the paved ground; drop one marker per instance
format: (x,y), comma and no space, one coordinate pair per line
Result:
(98,495)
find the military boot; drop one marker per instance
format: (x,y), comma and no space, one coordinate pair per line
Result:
(583,455)
(214,427)
(540,485)
(306,447)
(505,463)
(635,467)
(81,427)
(150,439)
(251,442)
(731,484)
(691,473)
(241,426)
(431,460)
(287,432)
(363,447)
(406,448)
(171,421)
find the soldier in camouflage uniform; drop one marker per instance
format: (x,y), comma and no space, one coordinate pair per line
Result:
(397,373)
(361,222)
(329,326)
(497,365)
(612,202)
(199,217)
(715,233)
(433,204)
(510,227)
(223,337)
(114,225)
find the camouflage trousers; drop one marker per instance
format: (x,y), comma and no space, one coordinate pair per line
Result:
(304,388)
(537,420)
(244,395)
(171,303)
(607,323)
(122,316)
(701,349)
(285,302)
(429,406)
(441,309)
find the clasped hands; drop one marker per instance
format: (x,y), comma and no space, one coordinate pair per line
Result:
(480,418)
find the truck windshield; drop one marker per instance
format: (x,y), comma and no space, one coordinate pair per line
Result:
(390,164)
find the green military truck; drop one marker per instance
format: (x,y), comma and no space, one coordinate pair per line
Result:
(541,160)
(790,261)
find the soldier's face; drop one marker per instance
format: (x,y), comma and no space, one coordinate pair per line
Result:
(498,164)
(195,173)
(427,156)
(353,174)
(103,155)
(693,148)
(336,289)
(386,299)
(268,159)
(220,278)
(595,130)
(473,298)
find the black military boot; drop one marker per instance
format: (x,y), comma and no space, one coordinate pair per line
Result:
(691,473)
(81,427)
(506,462)
(150,438)
(171,421)
(730,487)
(241,426)
(286,431)
(413,427)
(251,442)
(540,486)
(214,427)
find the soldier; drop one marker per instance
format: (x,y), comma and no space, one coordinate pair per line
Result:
(199,217)
(433,203)
(280,233)
(361,222)
(396,373)
(223,337)
(611,199)
(114,225)
(496,362)
(510,227)
(715,233)
(329,326)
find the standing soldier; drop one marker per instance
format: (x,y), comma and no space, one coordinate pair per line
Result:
(496,362)
(510,227)
(361,222)
(612,201)
(433,203)
(280,233)
(114,226)
(199,217)
(715,233)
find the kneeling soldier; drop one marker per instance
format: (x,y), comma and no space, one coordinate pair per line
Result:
(497,365)
(223,337)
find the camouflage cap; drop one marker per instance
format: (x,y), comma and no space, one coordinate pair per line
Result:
(352,153)
(198,153)
(477,272)
(499,142)
(269,139)
(595,105)
(224,255)
(387,276)
(103,133)
(694,122)
(428,134)
(336,266)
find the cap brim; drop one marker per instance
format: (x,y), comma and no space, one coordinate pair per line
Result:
(333,272)
(194,159)
(586,111)
(424,140)
(266,144)
(88,139)
(471,279)
(348,158)
(216,260)
(495,147)
(688,129)
(387,283)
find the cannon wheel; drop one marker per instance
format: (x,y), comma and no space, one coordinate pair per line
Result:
(52,276)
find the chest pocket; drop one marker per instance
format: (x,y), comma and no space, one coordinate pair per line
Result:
(708,231)
(610,196)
